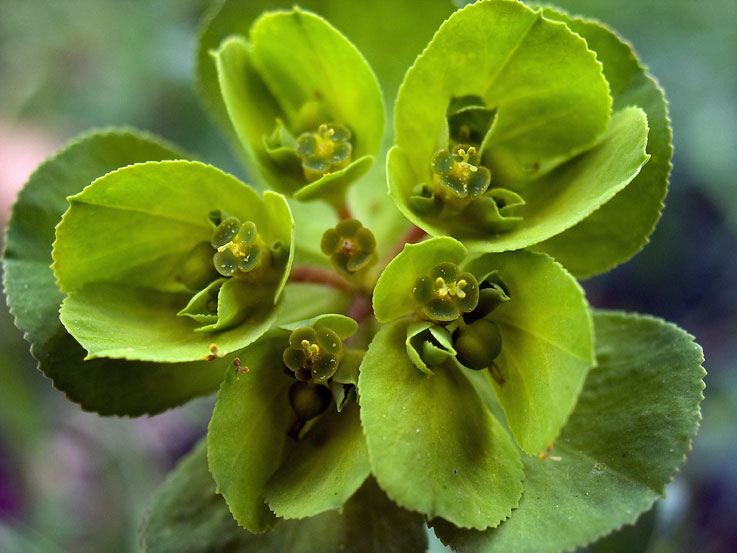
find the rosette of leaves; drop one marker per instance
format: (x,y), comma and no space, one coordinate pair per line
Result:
(561,132)
(304,103)
(475,401)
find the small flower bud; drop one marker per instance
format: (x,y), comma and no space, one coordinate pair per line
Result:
(350,245)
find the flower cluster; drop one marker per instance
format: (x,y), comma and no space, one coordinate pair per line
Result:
(372,368)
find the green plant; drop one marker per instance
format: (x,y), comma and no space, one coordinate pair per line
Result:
(365,372)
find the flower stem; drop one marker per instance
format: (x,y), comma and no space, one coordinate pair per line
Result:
(414,234)
(302,273)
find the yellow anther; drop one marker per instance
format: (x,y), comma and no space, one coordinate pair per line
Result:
(466,155)
(311,350)
(441,288)
(458,288)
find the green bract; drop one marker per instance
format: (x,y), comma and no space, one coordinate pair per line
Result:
(253,413)
(124,295)
(629,433)
(620,228)
(545,153)
(533,327)
(104,385)
(304,103)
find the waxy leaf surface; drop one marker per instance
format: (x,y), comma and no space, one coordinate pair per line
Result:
(109,387)
(630,431)
(551,97)
(621,227)
(393,296)
(247,436)
(434,446)
(557,200)
(121,249)
(188,516)
(389,53)
(547,344)
(327,466)
(291,60)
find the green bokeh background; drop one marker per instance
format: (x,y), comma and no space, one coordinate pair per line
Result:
(72,481)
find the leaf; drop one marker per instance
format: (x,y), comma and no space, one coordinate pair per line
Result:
(264,78)
(433,445)
(324,470)
(307,301)
(247,436)
(389,53)
(123,244)
(547,344)
(105,386)
(620,228)
(629,433)
(551,102)
(344,326)
(393,292)
(559,199)
(187,516)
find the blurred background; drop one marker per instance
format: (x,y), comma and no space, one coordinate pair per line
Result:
(74,482)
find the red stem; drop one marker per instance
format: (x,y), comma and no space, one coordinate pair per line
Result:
(344,212)
(302,273)
(413,235)
(360,308)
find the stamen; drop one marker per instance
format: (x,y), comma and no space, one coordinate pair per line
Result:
(441,288)
(459,288)
(311,350)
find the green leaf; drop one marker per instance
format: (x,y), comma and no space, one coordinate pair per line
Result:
(555,201)
(247,436)
(389,52)
(122,248)
(393,292)
(433,446)
(297,68)
(547,344)
(187,516)
(105,386)
(549,106)
(312,219)
(427,343)
(324,470)
(344,326)
(307,301)
(620,228)
(629,433)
